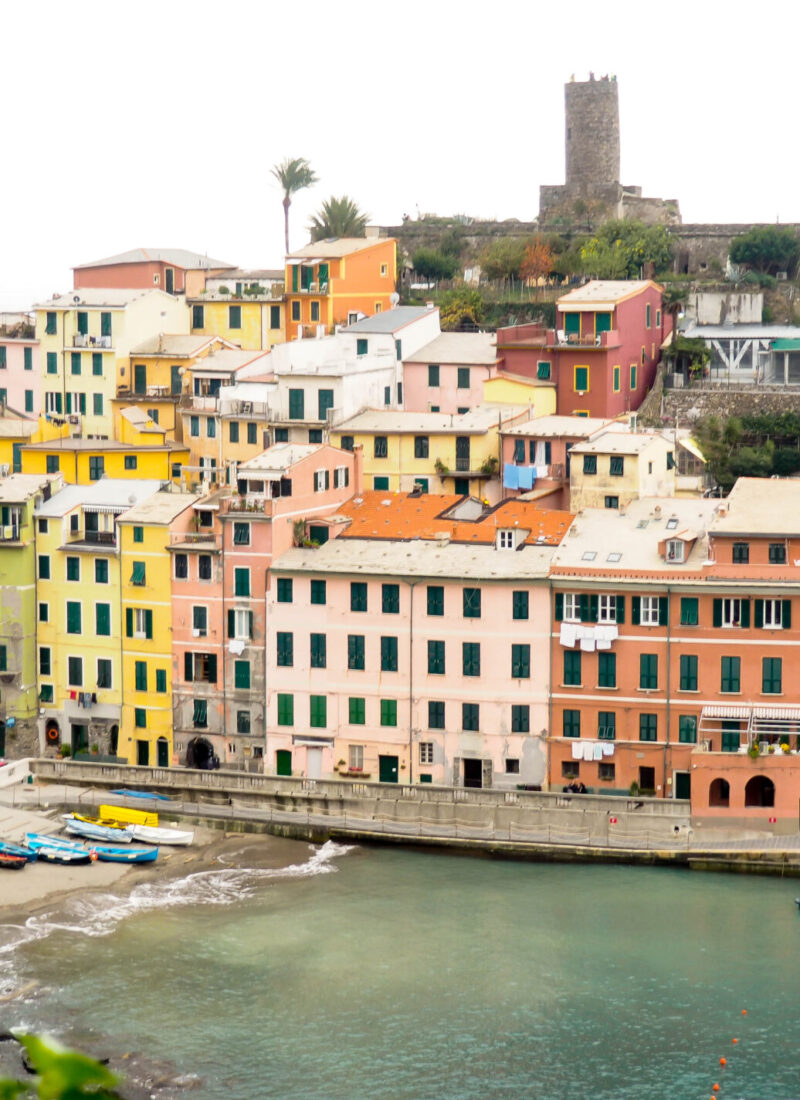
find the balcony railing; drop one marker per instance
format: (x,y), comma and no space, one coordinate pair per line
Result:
(84,340)
(199,402)
(12,532)
(193,538)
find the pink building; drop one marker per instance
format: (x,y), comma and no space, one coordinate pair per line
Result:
(175,270)
(413,648)
(20,377)
(220,571)
(536,456)
(447,375)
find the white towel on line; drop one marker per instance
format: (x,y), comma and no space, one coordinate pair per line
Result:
(577,750)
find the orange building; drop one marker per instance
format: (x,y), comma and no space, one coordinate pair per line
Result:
(337,282)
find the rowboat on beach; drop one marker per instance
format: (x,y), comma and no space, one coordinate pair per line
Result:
(148,834)
(106,822)
(17,850)
(107,854)
(122,815)
(36,841)
(9,862)
(94,831)
(124,793)
(62,854)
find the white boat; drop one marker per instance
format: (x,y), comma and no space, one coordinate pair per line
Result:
(150,834)
(94,831)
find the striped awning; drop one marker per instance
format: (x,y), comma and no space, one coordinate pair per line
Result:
(725,712)
(790,713)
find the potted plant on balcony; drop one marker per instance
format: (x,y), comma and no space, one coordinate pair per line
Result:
(753,752)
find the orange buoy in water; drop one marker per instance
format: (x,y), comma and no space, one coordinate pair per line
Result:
(744,1011)
(723,1061)
(736,1040)
(716,1088)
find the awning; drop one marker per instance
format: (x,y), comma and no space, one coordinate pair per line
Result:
(294,263)
(725,712)
(316,260)
(313,742)
(692,447)
(137,576)
(791,713)
(114,509)
(786,345)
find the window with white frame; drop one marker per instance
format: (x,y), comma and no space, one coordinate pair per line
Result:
(139,622)
(676,550)
(426,752)
(322,480)
(356,758)
(505,540)
(773,613)
(572,606)
(341,477)
(241,623)
(649,611)
(607,609)
(732,611)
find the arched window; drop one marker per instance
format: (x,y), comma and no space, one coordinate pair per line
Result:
(719,793)
(759,791)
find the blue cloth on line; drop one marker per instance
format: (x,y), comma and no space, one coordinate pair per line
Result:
(511,476)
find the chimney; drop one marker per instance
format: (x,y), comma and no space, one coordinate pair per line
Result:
(358,469)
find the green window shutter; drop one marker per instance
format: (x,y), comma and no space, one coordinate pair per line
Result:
(689,615)
(140,675)
(285,710)
(607,670)
(636,610)
(128,622)
(73,617)
(786,614)
(771,675)
(148,623)
(357,712)
(388,712)
(318,711)
(356,651)
(318,651)
(663,610)
(593,609)
(759,613)
(559,607)
(717,616)
(519,605)
(745,621)
(103,618)
(571,720)
(572,323)
(572,667)
(585,610)
(250,624)
(97,364)
(105,324)
(358,596)
(241,675)
(285,641)
(212,668)
(471,658)
(188,667)
(231,622)
(161,680)
(620,609)
(285,590)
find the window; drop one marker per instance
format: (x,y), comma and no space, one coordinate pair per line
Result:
(362,346)
(472,603)
(204,567)
(241,582)
(633,376)
(341,477)
(73,617)
(73,569)
(241,534)
(138,622)
(285,641)
(28,401)
(380,483)
(435,599)
(607,609)
(242,721)
(615,379)
(380,446)
(138,534)
(355,651)
(44,567)
(51,324)
(519,605)
(319,651)
(435,714)
(616,466)
(520,661)
(433,375)
(234,316)
(44,660)
(611,502)
(771,675)
(161,680)
(687,729)
(688,665)
(581,379)
(75,362)
(572,667)
(731,611)
(240,623)
(689,612)
(543,369)
(648,727)
(52,464)
(607,670)
(44,613)
(647,315)
(648,671)
(252,433)
(241,675)
(740,553)
(390,599)
(421,446)
(347,442)
(571,723)
(285,709)
(777,553)
(200,622)
(96,467)
(774,614)
(358,596)
(649,611)
(233,431)
(388,654)
(140,675)
(471,658)
(211,427)
(102,619)
(103,672)
(296,404)
(322,480)
(200,668)
(731,674)
(285,586)
(463,378)
(295,310)
(194,426)
(590,464)
(75,671)
(138,574)
(356,711)
(607,725)
(520,718)
(388,712)
(470,717)
(318,706)
(200,714)
(436,658)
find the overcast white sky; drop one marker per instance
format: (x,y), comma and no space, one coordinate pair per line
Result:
(156,122)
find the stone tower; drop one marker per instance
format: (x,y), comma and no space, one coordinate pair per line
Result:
(592,134)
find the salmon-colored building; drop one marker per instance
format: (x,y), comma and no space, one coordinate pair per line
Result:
(603,352)
(174,270)
(220,569)
(536,456)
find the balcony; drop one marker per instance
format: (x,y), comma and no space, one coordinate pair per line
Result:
(199,402)
(97,343)
(195,540)
(129,394)
(91,540)
(12,532)
(251,504)
(560,339)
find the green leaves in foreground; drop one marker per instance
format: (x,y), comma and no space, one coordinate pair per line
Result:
(61,1074)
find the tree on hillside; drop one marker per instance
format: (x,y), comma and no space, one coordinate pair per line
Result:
(293,174)
(338,217)
(768,249)
(434,266)
(459,309)
(503,258)
(538,260)
(625,246)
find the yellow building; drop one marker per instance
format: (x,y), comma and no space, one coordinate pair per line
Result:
(85,339)
(512,389)
(253,322)
(79,629)
(437,452)
(146,609)
(145,454)
(17,432)
(158,373)
(619,466)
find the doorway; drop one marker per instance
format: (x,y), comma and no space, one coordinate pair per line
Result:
(162,752)
(387,769)
(80,738)
(283,762)
(473,773)
(683,785)
(200,754)
(143,754)
(314,763)
(170,280)
(647,781)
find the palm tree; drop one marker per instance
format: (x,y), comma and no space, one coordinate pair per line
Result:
(293,174)
(338,218)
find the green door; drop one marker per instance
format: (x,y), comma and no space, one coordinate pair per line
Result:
(143,753)
(16,451)
(683,785)
(139,378)
(162,750)
(283,762)
(387,769)
(80,738)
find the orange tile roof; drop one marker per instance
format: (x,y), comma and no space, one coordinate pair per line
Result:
(381,515)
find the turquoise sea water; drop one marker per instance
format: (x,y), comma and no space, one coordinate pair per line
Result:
(395,975)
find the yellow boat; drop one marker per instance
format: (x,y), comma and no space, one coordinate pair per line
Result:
(128,817)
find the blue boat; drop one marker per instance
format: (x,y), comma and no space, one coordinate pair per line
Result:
(142,794)
(62,854)
(17,850)
(107,854)
(92,831)
(43,840)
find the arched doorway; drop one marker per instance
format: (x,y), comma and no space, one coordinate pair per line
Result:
(759,791)
(113,740)
(162,752)
(719,793)
(52,734)
(200,754)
